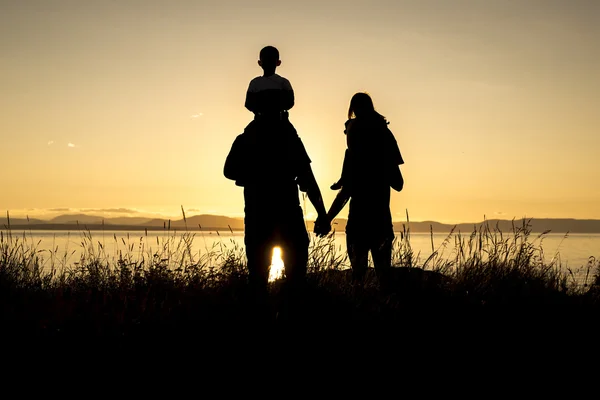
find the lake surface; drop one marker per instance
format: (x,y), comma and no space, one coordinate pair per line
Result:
(64,248)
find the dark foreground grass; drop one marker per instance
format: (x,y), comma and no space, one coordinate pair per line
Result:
(136,292)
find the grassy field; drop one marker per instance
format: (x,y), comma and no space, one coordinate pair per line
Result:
(486,274)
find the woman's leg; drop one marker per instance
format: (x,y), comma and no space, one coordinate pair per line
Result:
(382,259)
(358,253)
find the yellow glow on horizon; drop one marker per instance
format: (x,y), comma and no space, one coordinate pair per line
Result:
(477,103)
(276,267)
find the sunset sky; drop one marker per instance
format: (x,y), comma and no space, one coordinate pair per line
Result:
(132,105)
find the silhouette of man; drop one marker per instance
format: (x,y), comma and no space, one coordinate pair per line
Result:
(271,163)
(273,166)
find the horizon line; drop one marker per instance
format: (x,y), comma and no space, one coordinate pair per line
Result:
(182,218)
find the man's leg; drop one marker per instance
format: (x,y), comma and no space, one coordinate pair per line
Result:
(259,258)
(294,253)
(294,241)
(295,257)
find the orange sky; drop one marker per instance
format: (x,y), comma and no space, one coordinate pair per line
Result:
(131,105)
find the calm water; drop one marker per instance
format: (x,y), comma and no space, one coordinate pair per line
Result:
(65,248)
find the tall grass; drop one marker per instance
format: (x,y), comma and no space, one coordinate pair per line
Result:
(162,280)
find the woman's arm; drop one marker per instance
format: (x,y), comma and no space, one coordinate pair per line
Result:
(338,203)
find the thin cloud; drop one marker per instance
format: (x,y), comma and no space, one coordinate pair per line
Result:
(51,142)
(198,115)
(193,210)
(58,209)
(111,210)
(71,145)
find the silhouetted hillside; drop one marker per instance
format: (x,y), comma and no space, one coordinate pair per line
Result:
(19,221)
(77,218)
(554,225)
(205,221)
(96,219)
(223,223)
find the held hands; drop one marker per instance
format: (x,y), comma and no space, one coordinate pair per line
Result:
(322,226)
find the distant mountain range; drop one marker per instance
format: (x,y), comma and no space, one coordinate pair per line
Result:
(223,223)
(74,221)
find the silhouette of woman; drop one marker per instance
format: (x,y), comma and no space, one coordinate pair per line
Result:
(371,167)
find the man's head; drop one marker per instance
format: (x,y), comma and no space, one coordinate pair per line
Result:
(269,58)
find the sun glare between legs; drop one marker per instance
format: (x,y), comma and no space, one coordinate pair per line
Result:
(276,267)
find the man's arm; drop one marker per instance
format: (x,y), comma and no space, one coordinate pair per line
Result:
(234,163)
(308,184)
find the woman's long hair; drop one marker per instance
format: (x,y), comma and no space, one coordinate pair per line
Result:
(361,105)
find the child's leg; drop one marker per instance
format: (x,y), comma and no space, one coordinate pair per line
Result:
(251,126)
(289,128)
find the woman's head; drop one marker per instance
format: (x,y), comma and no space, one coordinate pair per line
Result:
(361,105)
